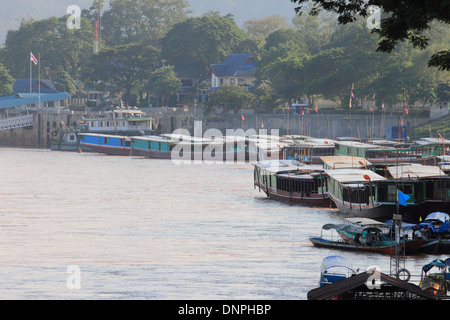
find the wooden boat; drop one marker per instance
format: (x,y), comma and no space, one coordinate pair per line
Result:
(121,121)
(367,238)
(354,193)
(334,269)
(108,144)
(435,277)
(436,228)
(292,181)
(187,148)
(67,141)
(309,150)
(342,245)
(381,233)
(387,155)
(364,193)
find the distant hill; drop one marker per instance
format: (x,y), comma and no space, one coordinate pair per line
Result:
(13,11)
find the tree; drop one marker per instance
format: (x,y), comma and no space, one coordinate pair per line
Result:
(259,29)
(404,21)
(124,67)
(229,98)
(141,21)
(6,82)
(163,82)
(60,48)
(64,82)
(193,45)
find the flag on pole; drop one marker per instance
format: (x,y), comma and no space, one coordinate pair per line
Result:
(33,58)
(382,105)
(243,117)
(351,95)
(401,121)
(316,109)
(402,198)
(406,109)
(439,136)
(370,109)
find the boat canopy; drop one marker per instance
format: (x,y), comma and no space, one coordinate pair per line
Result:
(344,162)
(441,216)
(343,226)
(415,171)
(335,262)
(441,264)
(354,175)
(275,166)
(404,226)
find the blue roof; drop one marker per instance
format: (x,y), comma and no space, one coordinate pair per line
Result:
(22,99)
(23,86)
(241,64)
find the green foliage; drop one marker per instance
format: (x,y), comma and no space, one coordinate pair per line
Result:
(406,20)
(193,45)
(6,82)
(60,48)
(163,82)
(141,21)
(124,67)
(229,98)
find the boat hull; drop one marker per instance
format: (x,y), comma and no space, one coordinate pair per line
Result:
(323,243)
(109,150)
(372,211)
(312,199)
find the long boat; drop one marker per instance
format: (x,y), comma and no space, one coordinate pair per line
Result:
(367,238)
(342,245)
(359,230)
(181,148)
(108,144)
(292,181)
(310,150)
(424,153)
(120,121)
(354,193)
(364,193)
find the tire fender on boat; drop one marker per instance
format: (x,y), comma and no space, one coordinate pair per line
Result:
(400,275)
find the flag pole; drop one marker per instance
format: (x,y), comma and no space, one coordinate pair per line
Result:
(39,79)
(30,70)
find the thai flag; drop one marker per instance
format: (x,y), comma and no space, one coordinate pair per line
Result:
(406,109)
(401,121)
(33,58)
(440,137)
(243,117)
(351,95)
(370,109)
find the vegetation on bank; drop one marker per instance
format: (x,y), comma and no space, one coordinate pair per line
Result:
(310,59)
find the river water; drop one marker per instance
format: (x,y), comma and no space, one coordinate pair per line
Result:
(92,226)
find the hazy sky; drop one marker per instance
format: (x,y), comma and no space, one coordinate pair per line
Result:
(13,11)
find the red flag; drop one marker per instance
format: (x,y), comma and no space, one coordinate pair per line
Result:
(33,58)
(370,109)
(351,95)
(316,109)
(406,109)
(440,137)
(243,117)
